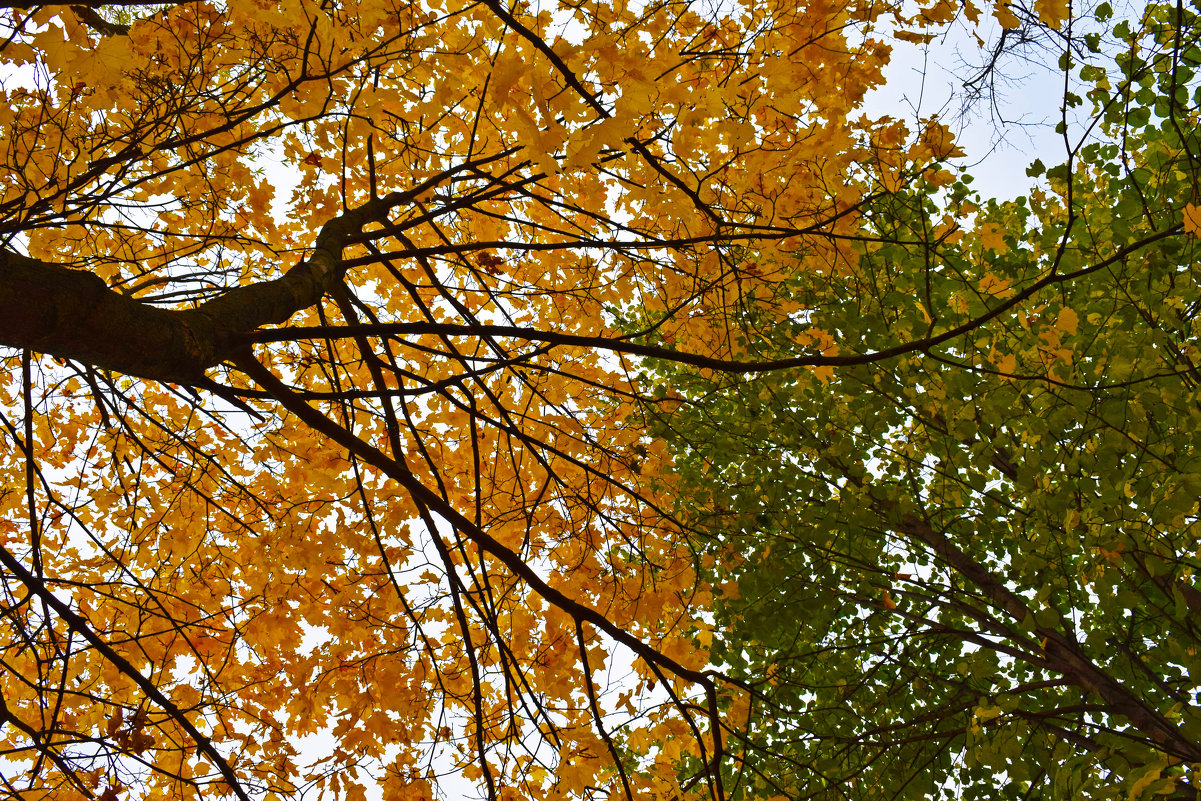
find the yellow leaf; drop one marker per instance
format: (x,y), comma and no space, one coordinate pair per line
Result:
(941,11)
(939,142)
(1052,12)
(995,285)
(1192,219)
(1005,16)
(992,237)
(1148,778)
(987,712)
(916,38)
(1067,321)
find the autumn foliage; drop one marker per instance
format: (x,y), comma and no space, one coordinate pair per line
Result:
(339,341)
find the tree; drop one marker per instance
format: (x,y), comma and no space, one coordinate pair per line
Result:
(970,570)
(366,458)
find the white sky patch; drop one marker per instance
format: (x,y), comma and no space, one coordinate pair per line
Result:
(1001,134)
(1012,121)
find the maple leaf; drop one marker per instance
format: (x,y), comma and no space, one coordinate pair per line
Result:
(1192,219)
(1052,12)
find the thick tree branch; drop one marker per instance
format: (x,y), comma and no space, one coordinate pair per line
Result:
(73,314)
(1062,653)
(92,19)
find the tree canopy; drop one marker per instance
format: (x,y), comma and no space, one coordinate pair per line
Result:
(969,570)
(614,407)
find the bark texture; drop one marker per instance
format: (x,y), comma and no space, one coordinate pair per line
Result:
(73,314)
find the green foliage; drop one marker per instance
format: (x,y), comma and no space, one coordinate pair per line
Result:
(969,570)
